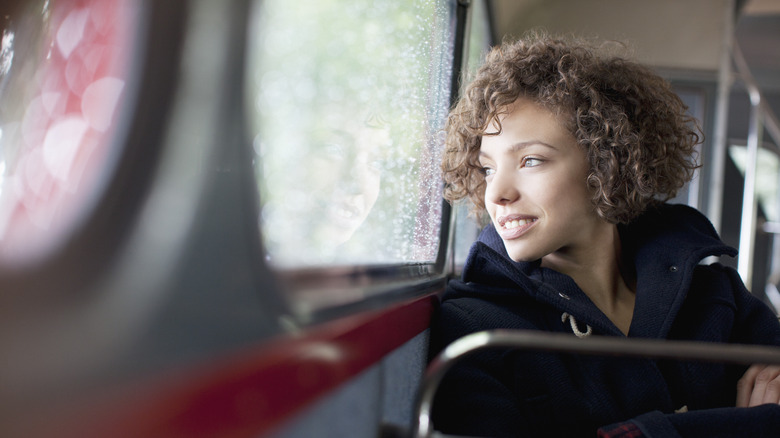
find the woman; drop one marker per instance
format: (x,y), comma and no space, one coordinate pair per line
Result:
(571,153)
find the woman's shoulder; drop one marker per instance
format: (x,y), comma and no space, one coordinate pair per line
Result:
(483,307)
(469,308)
(716,286)
(475,295)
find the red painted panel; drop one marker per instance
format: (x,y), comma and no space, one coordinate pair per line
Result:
(251,392)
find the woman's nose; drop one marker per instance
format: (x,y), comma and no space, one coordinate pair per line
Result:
(502,189)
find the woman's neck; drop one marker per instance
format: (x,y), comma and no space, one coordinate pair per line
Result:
(599,270)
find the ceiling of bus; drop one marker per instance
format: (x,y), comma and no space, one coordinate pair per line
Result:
(663,33)
(668,34)
(752,7)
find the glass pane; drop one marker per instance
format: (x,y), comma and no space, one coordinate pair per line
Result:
(766,177)
(62,77)
(695,98)
(348,102)
(467,226)
(467,229)
(479,37)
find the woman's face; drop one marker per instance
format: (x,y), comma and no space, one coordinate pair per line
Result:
(537,194)
(348,181)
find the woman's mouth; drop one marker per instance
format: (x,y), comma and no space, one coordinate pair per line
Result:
(517,223)
(512,227)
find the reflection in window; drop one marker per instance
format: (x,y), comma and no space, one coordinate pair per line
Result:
(348,101)
(61,79)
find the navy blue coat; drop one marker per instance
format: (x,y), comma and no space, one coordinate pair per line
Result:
(513,393)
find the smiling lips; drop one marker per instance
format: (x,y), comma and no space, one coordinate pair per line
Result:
(512,227)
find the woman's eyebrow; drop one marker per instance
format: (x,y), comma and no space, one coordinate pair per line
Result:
(524,144)
(520,146)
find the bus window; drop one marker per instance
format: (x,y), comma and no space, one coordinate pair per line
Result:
(62,77)
(479,37)
(766,177)
(347,104)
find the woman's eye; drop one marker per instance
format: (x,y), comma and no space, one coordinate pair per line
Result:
(531,162)
(488,171)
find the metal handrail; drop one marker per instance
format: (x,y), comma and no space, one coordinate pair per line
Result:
(566,343)
(761,117)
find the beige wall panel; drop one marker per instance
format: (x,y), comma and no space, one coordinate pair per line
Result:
(679,34)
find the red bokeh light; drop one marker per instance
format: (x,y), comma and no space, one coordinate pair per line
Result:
(53,162)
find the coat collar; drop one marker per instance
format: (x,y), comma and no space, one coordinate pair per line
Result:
(666,243)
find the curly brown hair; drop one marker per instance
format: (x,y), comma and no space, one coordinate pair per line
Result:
(634,129)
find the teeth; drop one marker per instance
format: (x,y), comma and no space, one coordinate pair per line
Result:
(516,223)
